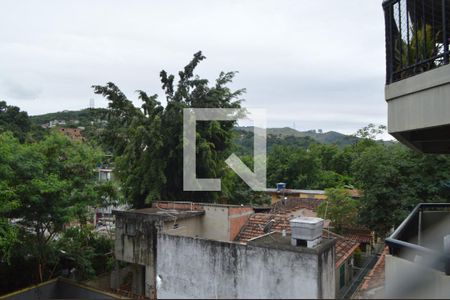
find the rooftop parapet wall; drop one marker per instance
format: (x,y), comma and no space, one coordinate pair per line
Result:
(135,238)
(199,268)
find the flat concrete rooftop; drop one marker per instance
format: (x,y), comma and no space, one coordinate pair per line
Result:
(276,240)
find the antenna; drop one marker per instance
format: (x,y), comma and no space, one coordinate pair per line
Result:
(91,103)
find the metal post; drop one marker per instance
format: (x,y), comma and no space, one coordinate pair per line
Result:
(447,254)
(389,17)
(400,33)
(408,40)
(419,229)
(444,30)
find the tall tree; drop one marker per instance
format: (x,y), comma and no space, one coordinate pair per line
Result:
(394,179)
(14,120)
(148,141)
(340,208)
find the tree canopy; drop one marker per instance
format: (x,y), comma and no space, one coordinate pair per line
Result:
(147,141)
(44,186)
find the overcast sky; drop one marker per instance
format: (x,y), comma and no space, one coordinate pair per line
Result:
(318,64)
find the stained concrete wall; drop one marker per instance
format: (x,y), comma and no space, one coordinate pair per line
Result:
(405,279)
(220,222)
(418,102)
(215,223)
(135,238)
(198,268)
(185,227)
(135,243)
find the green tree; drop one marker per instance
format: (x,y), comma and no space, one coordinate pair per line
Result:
(340,208)
(394,179)
(87,253)
(45,185)
(148,142)
(14,120)
(238,192)
(371,131)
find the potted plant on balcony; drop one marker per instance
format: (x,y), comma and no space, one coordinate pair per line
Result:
(419,54)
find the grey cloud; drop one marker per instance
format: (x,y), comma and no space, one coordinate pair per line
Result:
(318,63)
(18,91)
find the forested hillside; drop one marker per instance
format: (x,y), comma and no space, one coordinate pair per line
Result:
(84,117)
(330,137)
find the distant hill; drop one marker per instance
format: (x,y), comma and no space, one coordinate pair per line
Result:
(93,119)
(330,137)
(74,118)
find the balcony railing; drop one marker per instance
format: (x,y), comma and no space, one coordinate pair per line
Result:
(417,37)
(418,236)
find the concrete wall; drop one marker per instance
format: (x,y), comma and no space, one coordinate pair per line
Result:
(135,243)
(418,102)
(185,227)
(198,268)
(237,218)
(405,279)
(327,283)
(277,197)
(219,223)
(215,223)
(135,238)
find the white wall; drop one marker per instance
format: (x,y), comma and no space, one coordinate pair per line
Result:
(198,268)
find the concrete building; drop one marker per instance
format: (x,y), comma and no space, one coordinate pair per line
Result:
(73,133)
(418,74)
(105,174)
(277,195)
(278,221)
(187,250)
(418,96)
(267,267)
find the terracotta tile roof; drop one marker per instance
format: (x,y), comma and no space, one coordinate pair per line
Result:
(255,228)
(292,204)
(344,247)
(358,233)
(374,281)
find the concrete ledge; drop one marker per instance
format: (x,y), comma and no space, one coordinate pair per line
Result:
(419,102)
(421,82)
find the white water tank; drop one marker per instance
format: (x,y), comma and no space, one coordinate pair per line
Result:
(305,230)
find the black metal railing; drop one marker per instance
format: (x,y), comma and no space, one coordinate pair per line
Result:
(417,36)
(406,243)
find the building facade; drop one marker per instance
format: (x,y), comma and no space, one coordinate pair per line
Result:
(185,250)
(418,96)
